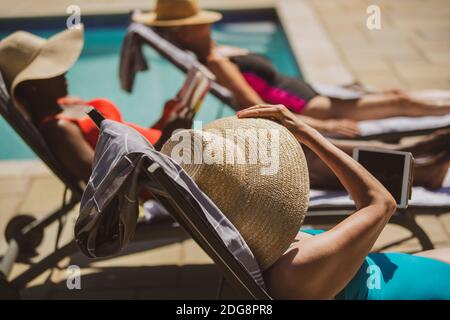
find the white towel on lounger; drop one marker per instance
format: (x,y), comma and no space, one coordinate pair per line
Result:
(402,124)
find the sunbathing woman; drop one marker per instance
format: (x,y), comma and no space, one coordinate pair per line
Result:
(34,71)
(253,79)
(268,209)
(337,263)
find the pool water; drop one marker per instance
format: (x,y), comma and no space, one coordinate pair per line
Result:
(96,75)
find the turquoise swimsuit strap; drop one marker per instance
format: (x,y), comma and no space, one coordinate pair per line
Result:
(312,231)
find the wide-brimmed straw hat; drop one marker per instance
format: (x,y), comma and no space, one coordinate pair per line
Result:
(25,56)
(173,13)
(266,203)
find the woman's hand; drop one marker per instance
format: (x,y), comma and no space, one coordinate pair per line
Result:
(280,114)
(173,115)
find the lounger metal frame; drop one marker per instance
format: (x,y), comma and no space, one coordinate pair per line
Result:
(34,140)
(32,137)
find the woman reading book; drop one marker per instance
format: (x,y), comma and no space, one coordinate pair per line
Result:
(35,74)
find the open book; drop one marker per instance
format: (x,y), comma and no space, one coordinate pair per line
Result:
(192,93)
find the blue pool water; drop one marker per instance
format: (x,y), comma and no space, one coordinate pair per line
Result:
(96,75)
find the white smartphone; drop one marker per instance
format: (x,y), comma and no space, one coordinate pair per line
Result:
(394,169)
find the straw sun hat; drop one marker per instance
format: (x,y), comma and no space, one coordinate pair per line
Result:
(174,13)
(25,56)
(267,209)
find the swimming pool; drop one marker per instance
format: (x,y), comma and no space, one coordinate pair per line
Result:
(96,72)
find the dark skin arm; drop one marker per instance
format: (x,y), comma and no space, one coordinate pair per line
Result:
(69,146)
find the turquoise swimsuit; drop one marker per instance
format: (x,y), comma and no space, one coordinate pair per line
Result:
(397,276)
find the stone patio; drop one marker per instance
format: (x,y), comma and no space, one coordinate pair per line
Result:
(410,51)
(331,42)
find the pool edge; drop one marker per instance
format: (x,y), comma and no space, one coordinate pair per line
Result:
(314,51)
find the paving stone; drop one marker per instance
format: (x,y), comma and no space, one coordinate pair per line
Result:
(140,255)
(368,66)
(45,194)
(13,186)
(381,81)
(22,169)
(8,210)
(391,234)
(199,274)
(433,228)
(438,57)
(58,7)
(193,254)
(132,277)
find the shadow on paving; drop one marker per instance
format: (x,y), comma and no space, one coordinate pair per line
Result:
(187,282)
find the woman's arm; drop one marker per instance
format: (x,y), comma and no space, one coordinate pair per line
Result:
(321,266)
(229,76)
(69,146)
(343,127)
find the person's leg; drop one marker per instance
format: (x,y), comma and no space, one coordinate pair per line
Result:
(432,172)
(319,107)
(442,254)
(372,106)
(433,144)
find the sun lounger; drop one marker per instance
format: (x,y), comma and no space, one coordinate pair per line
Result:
(29,229)
(25,233)
(124,162)
(138,34)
